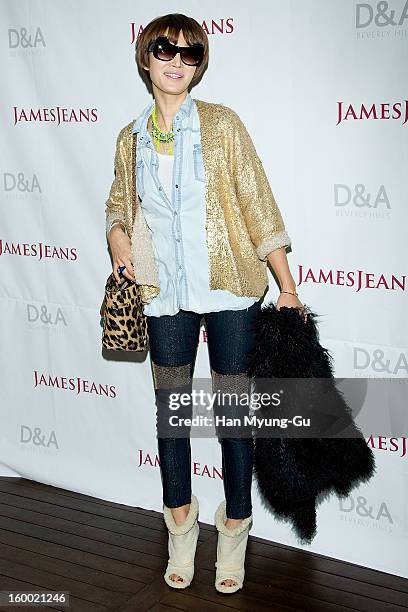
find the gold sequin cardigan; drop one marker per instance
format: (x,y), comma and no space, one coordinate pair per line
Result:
(243,221)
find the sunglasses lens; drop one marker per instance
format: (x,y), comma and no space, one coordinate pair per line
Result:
(164,51)
(192,56)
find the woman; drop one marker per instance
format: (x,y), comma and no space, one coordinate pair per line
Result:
(197,242)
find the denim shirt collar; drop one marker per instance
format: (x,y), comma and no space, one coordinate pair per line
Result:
(185,109)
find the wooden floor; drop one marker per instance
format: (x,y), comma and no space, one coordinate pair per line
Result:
(112,557)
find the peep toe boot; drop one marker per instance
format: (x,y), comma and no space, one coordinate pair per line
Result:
(231,549)
(182,546)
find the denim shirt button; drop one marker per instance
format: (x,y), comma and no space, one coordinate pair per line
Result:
(177,186)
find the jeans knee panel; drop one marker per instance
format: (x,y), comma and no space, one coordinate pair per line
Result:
(167,377)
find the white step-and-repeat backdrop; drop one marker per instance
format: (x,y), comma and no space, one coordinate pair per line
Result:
(322,88)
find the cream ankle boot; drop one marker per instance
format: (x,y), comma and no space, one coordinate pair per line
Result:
(182,546)
(231,549)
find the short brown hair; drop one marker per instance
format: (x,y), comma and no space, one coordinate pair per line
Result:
(174,22)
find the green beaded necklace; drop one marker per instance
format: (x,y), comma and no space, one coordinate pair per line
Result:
(159,135)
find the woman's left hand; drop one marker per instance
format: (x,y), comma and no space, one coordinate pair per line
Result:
(290,301)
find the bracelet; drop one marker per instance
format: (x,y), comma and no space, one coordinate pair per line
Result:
(290,292)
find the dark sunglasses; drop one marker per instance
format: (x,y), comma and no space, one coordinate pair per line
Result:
(164,50)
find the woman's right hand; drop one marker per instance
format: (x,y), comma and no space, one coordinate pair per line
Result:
(121,250)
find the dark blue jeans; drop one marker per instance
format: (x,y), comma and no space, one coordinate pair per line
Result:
(173,342)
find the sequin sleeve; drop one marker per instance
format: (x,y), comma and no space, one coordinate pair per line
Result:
(260,210)
(115,204)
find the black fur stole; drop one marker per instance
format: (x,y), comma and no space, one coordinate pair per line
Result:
(292,472)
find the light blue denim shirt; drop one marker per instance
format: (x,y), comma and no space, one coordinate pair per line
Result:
(177,223)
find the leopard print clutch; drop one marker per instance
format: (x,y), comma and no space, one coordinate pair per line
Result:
(124,323)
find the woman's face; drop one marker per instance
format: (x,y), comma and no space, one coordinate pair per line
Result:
(159,71)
